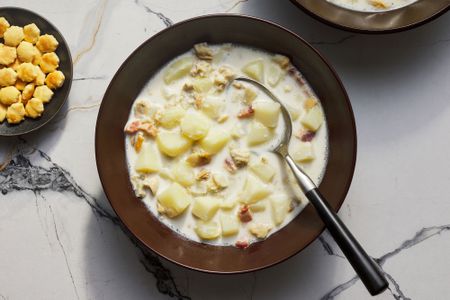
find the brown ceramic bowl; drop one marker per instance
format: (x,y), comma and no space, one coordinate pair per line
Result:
(395,20)
(143,63)
(21,17)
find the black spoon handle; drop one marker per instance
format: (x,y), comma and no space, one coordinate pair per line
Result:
(370,272)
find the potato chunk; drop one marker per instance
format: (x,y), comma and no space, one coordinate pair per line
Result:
(26,51)
(15,113)
(207,230)
(178,69)
(313,119)
(274,74)
(172,143)
(9,95)
(229,224)
(202,85)
(213,106)
(47,43)
(183,173)
(303,152)
(171,116)
(216,139)
(258,134)
(31,33)
(267,112)
(34,108)
(55,79)
(4,24)
(7,77)
(255,70)
(254,190)
(13,36)
(262,169)
(7,55)
(195,125)
(174,200)
(27,72)
(205,208)
(280,207)
(44,93)
(49,62)
(148,159)
(259,230)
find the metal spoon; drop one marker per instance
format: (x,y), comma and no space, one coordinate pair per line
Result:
(368,271)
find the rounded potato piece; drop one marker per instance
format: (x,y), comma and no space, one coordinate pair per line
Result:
(49,62)
(13,36)
(195,125)
(7,77)
(15,113)
(44,93)
(172,143)
(26,51)
(47,43)
(207,230)
(31,33)
(34,108)
(27,72)
(55,79)
(4,24)
(27,92)
(7,54)
(9,95)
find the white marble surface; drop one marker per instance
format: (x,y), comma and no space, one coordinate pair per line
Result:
(60,240)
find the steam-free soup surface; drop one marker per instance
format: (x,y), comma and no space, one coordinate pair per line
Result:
(198,145)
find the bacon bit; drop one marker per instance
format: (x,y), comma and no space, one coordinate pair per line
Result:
(242,244)
(246,112)
(230,166)
(147,127)
(132,127)
(296,75)
(306,136)
(245,215)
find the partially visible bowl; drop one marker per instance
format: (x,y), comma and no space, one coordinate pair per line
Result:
(143,63)
(21,17)
(395,20)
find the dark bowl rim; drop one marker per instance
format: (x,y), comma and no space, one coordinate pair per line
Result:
(294,35)
(64,100)
(355,29)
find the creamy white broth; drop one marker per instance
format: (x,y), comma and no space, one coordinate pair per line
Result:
(372,5)
(288,90)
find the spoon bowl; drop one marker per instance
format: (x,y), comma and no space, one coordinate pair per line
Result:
(370,273)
